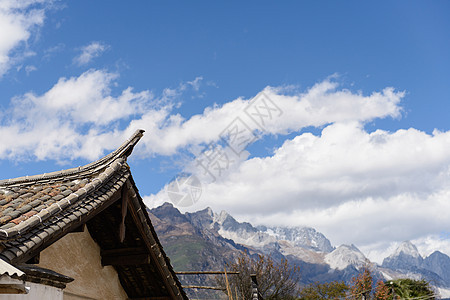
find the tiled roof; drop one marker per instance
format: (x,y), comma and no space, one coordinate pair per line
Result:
(46,210)
(28,201)
(36,211)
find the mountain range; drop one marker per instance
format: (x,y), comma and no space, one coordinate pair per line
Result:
(205,240)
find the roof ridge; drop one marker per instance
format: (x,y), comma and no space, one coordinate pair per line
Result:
(63,203)
(123,151)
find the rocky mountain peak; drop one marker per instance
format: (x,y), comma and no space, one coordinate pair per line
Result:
(202,218)
(437,255)
(439,263)
(218,237)
(405,257)
(407,248)
(208,212)
(344,256)
(305,237)
(165,205)
(167,210)
(221,217)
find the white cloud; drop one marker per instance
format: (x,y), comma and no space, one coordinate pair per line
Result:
(428,244)
(352,185)
(85,108)
(18,20)
(342,164)
(196,83)
(320,105)
(82,117)
(89,52)
(29,69)
(64,122)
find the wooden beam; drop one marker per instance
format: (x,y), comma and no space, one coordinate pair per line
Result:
(34,260)
(78,229)
(125,257)
(123,212)
(123,251)
(151,298)
(149,240)
(203,287)
(126,260)
(204,272)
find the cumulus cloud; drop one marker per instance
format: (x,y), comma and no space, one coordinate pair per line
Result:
(344,163)
(345,181)
(18,21)
(84,116)
(64,122)
(89,52)
(352,185)
(322,104)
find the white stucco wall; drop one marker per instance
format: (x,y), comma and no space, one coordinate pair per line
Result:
(37,292)
(77,255)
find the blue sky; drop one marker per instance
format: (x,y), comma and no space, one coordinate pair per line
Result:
(77,78)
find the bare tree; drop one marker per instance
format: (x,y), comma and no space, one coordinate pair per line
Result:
(276,280)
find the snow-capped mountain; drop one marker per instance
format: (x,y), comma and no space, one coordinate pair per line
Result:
(406,257)
(218,237)
(242,233)
(305,237)
(406,262)
(407,248)
(310,246)
(265,239)
(344,256)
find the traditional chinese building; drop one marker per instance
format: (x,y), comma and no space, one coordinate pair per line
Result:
(82,233)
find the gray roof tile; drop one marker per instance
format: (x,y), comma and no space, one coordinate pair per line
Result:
(37,210)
